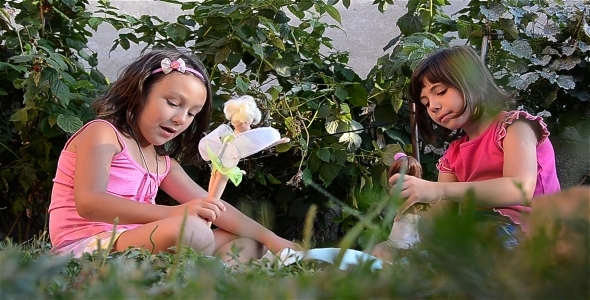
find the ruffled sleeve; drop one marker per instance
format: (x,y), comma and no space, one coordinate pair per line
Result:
(510,117)
(443,165)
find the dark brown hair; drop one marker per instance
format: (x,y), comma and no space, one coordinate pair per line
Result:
(459,67)
(409,163)
(126,98)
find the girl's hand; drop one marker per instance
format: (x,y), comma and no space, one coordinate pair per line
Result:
(384,251)
(415,190)
(276,244)
(207,208)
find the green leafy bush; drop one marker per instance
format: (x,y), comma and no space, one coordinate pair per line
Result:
(47,78)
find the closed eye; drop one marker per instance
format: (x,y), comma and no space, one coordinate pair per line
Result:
(441,93)
(171,103)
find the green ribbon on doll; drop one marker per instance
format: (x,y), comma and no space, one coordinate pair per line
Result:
(234,173)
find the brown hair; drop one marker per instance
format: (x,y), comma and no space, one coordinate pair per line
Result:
(409,163)
(461,68)
(126,98)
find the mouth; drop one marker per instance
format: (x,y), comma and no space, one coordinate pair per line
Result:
(168,129)
(444,117)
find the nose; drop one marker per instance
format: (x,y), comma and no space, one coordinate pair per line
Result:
(434,106)
(179,118)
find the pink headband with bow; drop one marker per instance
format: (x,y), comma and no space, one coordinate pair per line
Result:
(178,65)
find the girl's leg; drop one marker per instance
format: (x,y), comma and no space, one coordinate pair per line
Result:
(246,248)
(161,235)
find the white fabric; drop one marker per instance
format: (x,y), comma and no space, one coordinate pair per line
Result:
(243,145)
(404,233)
(350,258)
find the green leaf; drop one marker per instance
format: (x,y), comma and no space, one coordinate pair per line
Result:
(339,156)
(463,29)
(357,95)
(324,154)
(328,172)
(176,32)
(272,179)
(306,176)
(222,54)
(274,92)
(519,48)
(21,58)
(388,152)
(52,120)
(332,125)
(334,13)
(352,140)
(494,12)
(61,91)
(409,24)
(278,43)
(341,93)
(124,43)
(258,50)
(69,124)
(324,111)
(282,148)
(94,23)
(281,17)
(241,84)
(20,115)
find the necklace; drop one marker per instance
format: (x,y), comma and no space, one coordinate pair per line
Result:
(143,157)
(149,183)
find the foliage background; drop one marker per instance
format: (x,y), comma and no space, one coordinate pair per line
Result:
(344,129)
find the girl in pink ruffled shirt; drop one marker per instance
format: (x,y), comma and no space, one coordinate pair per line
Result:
(504,157)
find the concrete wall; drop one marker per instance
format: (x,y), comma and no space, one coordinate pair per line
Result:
(365,31)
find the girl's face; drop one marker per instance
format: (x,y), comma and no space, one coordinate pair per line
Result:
(443,104)
(170,107)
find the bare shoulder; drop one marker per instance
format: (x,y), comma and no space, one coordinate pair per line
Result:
(524,127)
(93,135)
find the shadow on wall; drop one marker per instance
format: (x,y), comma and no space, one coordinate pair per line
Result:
(572,152)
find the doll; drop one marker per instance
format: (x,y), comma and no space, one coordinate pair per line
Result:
(224,147)
(404,232)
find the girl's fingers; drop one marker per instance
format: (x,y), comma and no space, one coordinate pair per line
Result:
(393,179)
(217,202)
(213,208)
(207,214)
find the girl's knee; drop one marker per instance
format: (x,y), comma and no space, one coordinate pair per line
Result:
(193,232)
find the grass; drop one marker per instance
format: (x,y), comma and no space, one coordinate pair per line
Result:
(461,258)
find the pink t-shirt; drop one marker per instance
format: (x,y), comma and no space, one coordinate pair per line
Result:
(127,179)
(483,158)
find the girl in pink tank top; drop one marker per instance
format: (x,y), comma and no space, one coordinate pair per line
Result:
(110,171)
(503,157)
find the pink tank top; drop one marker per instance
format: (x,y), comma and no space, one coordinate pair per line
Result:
(127,179)
(483,158)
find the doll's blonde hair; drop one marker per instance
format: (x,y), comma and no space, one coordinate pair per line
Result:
(242,110)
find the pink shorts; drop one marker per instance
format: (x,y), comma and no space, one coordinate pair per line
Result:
(77,248)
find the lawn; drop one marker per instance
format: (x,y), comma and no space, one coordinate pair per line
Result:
(461,258)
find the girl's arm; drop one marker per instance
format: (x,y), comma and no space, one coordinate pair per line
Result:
(515,187)
(95,147)
(183,189)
